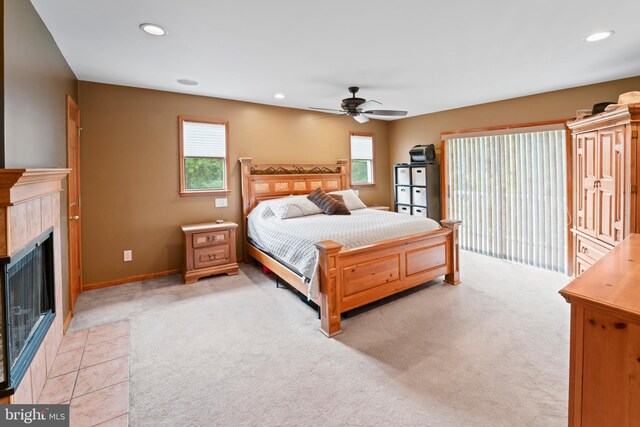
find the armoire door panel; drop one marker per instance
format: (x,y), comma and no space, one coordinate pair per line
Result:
(579,171)
(586,170)
(609,167)
(605,186)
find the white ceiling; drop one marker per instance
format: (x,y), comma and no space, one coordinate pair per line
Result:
(417,55)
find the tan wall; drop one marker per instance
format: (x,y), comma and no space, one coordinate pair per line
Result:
(130,177)
(37,79)
(562,104)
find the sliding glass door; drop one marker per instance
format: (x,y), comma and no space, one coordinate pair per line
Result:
(510,190)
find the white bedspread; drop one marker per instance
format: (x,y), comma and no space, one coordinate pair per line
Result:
(292,240)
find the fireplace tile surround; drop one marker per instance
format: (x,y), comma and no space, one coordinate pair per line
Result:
(29,206)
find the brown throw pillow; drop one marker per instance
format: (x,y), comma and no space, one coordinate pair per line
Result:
(342,210)
(328,204)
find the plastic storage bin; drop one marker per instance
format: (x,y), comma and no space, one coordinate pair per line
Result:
(404,210)
(419,176)
(419,211)
(403,176)
(404,195)
(419,196)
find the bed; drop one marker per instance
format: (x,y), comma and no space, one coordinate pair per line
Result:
(373,254)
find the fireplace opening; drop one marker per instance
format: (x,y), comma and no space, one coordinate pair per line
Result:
(28,306)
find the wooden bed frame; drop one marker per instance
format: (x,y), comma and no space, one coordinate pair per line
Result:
(349,278)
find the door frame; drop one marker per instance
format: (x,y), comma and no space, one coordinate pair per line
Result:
(70,103)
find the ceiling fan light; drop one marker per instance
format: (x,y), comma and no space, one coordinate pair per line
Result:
(361,118)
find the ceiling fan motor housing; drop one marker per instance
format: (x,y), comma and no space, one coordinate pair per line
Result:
(351,104)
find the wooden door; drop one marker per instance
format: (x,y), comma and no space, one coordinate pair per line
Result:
(586,169)
(73,193)
(610,184)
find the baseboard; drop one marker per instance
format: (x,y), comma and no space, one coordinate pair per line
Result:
(66,322)
(138,278)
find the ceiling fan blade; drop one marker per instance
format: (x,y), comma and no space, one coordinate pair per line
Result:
(326,109)
(369,105)
(361,118)
(396,113)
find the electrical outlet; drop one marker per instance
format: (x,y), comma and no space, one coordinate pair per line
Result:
(128,255)
(221,202)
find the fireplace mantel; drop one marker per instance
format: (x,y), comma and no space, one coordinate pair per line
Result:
(21,185)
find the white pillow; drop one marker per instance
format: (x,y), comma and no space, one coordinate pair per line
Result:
(293,207)
(351,199)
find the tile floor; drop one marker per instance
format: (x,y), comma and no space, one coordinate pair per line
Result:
(91,373)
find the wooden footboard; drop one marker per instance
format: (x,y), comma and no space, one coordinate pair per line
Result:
(351,278)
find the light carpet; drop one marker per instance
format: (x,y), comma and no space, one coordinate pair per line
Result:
(235,351)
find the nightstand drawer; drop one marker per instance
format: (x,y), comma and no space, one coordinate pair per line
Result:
(210,256)
(210,238)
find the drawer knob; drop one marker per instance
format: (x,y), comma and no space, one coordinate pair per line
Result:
(584,250)
(212,257)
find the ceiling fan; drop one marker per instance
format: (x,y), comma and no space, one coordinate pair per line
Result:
(360,108)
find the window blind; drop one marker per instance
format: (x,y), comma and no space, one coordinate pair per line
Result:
(510,191)
(361,147)
(204,139)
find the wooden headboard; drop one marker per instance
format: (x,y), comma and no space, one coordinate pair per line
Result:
(270,181)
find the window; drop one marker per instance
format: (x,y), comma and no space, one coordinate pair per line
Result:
(509,188)
(204,166)
(361,148)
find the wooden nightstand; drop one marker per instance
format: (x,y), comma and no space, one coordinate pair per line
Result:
(208,249)
(379,208)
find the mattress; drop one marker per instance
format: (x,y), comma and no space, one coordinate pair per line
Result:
(292,241)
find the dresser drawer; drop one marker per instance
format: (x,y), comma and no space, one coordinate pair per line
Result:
(589,251)
(211,255)
(210,238)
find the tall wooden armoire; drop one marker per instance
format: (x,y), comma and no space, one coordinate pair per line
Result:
(605,169)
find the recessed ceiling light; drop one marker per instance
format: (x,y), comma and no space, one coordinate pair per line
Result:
(599,36)
(188,82)
(279,96)
(153,29)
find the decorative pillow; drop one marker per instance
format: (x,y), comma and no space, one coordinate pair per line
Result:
(351,200)
(293,207)
(342,210)
(328,204)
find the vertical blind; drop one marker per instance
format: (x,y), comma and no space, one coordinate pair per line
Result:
(361,147)
(204,139)
(510,191)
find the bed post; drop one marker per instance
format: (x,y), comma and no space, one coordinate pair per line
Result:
(247,200)
(345,176)
(329,287)
(453,276)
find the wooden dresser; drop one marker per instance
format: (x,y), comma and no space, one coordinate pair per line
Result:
(605,169)
(209,249)
(604,378)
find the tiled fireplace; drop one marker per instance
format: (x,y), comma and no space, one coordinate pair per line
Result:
(31,317)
